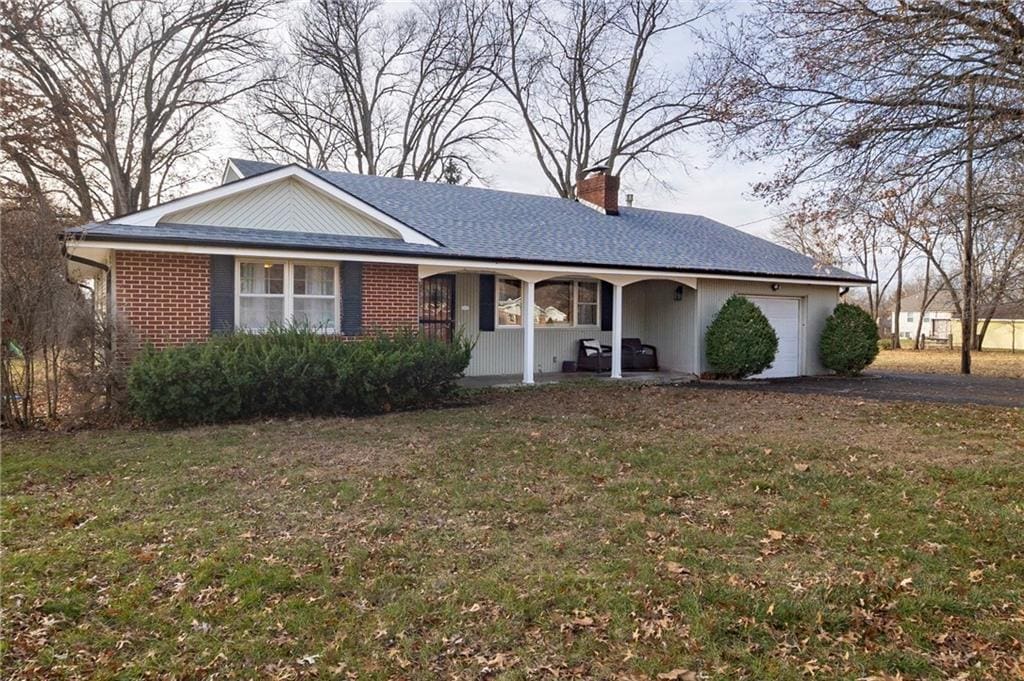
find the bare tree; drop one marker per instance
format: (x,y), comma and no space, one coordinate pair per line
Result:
(294,118)
(999,246)
(897,211)
(996,265)
(927,296)
(875,92)
(864,232)
(373,91)
(812,229)
(43,314)
(581,75)
(126,89)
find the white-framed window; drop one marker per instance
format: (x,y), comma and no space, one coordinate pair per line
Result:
(588,309)
(281,292)
(557,303)
(509,304)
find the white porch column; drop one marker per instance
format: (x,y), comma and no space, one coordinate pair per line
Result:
(616,330)
(527,313)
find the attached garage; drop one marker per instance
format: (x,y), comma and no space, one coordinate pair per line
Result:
(797,312)
(784,315)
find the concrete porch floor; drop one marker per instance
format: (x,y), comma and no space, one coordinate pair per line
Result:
(516,380)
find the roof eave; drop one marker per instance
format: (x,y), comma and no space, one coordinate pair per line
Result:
(448,255)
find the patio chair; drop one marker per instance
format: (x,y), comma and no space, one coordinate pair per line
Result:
(592,356)
(637,356)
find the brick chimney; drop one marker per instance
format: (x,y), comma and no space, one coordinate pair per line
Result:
(599,190)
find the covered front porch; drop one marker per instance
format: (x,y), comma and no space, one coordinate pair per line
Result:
(569,305)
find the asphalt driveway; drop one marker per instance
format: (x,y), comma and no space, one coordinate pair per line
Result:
(893,387)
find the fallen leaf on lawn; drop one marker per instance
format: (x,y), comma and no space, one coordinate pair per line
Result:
(802,467)
(676,568)
(975,576)
(906,582)
(678,675)
(776,535)
(586,621)
(767,450)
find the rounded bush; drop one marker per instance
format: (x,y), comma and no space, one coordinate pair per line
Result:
(293,371)
(849,341)
(740,341)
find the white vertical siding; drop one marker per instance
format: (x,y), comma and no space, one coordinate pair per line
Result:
(288,205)
(500,351)
(669,323)
(817,303)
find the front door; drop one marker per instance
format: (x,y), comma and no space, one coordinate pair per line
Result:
(437,307)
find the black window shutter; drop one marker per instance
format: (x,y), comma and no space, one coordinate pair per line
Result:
(606,306)
(487,302)
(222,293)
(351,298)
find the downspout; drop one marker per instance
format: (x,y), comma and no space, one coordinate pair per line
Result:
(108,313)
(91,263)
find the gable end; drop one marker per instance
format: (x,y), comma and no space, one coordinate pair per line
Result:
(286,205)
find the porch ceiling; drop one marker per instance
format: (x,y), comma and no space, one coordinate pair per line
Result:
(539,274)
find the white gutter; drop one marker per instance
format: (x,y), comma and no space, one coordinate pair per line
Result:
(449,264)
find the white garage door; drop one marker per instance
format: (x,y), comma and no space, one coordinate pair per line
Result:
(784,315)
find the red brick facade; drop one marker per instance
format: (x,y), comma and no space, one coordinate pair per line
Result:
(390,297)
(163,297)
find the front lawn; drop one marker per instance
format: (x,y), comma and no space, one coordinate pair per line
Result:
(988,363)
(572,531)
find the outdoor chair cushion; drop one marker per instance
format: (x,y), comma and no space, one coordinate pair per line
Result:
(593,356)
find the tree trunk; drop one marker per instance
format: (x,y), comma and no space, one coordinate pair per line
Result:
(898,308)
(979,338)
(967,329)
(897,311)
(918,345)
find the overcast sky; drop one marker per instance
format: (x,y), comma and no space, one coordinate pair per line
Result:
(717,188)
(697,181)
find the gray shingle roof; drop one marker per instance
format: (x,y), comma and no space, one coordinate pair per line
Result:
(471,222)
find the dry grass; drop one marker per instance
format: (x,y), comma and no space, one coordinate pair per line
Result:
(988,363)
(584,531)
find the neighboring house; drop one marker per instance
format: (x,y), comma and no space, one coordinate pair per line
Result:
(356,254)
(942,323)
(1005,330)
(936,322)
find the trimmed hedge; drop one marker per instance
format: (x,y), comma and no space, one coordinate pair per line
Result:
(740,341)
(849,341)
(293,371)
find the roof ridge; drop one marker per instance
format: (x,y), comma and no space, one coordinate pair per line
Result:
(477,220)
